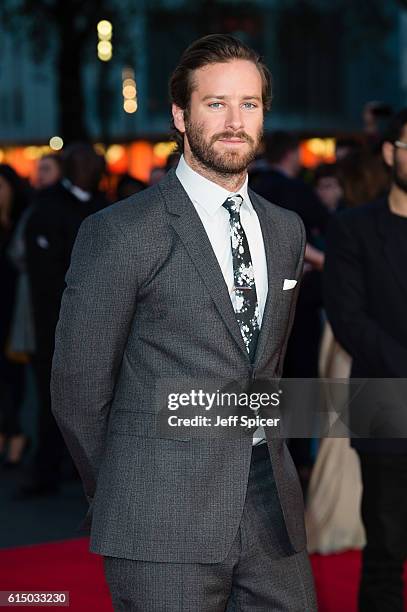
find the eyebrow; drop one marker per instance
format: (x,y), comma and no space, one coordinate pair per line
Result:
(211,97)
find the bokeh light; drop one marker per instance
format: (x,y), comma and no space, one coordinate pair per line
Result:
(104,29)
(130,106)
(56,143)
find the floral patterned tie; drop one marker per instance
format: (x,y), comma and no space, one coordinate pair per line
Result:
(246,306)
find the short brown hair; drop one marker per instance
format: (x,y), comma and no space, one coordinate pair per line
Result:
(212,49)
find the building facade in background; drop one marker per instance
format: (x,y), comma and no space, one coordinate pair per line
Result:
(326,63)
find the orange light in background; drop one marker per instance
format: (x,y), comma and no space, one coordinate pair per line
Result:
(162,150)
(137,158)
(24,160)
(22,164)
(117,159)
(114,154)
(33,153)
(141,159)
(317,151)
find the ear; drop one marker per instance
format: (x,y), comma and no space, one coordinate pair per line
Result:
(178,116)
(388,153)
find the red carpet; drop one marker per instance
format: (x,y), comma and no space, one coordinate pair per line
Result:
(68,566)
(60,566)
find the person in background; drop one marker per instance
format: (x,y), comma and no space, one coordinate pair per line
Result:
(328,187)
(365,291)
(344,147)
(375,116)
(14,196)
(50,234)
(363,176)
(49,170)
(333,503)
(127,185)
(281,185)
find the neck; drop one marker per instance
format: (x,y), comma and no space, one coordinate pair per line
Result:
(398,201)
(231,182)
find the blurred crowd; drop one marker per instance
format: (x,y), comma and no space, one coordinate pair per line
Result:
(38,227)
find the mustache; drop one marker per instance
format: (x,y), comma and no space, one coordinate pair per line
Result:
(241,135)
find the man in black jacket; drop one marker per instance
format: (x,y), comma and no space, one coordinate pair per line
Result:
(281,185)
(58,212)
(365,286)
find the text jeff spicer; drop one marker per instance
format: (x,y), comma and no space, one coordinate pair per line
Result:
(230,421)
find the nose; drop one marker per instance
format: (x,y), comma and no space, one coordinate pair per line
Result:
(233,119)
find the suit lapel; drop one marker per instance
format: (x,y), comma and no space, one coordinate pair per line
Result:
(187,224)
(274,258)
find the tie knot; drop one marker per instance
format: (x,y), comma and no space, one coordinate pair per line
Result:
(233,204)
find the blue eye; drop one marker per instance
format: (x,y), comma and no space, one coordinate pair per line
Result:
(250,105)
(215,105)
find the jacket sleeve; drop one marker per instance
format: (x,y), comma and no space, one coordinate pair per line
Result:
(346,303)
(96,313)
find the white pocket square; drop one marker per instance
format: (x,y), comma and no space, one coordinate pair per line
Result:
(289,284)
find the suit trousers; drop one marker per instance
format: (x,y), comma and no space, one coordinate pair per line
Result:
(384,512)
(261,573)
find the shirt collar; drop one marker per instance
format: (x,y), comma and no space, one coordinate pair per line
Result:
(206,193)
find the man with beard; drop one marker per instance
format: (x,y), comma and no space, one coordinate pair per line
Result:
(192,282)
(365,296)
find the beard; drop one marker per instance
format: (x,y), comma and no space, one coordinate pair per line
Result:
(398,177)
(225,162)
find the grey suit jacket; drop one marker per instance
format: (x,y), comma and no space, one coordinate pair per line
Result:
(146,303)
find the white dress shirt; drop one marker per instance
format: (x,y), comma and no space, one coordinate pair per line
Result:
(207,198)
